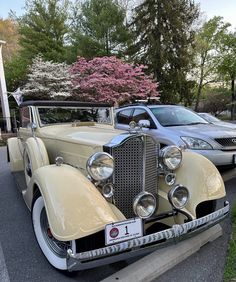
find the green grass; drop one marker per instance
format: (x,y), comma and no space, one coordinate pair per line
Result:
(230,266)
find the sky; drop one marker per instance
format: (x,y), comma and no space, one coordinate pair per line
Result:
(224,8)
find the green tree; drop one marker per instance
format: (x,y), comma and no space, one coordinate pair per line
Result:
(207,46)
(227,66)
(16,72)
(98,29)
(164,36)
(43,29)
(216,100)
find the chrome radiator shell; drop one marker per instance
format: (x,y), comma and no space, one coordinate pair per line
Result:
(136,160)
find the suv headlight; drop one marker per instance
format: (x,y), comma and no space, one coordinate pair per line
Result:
(144,205)
(196,143)
(171,157)
(178,196)
(100,166)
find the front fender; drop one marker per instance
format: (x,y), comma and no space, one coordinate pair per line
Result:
(201,177)
(74,206)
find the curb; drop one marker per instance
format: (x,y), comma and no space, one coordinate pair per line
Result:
(158,262)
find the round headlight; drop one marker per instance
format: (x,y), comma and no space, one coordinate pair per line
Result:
(172,157)
(178,196)
(144,205)
(100,166)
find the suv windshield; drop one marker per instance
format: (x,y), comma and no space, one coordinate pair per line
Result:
(54,115)
(176,116)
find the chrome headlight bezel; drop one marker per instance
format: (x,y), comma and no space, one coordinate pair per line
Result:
(100,166)
(171,157)
(195,143)
(174,196)
(140,209)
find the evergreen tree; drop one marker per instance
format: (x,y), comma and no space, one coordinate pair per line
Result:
(43,29)
(164,36)
(98,29)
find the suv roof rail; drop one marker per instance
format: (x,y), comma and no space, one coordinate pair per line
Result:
(133,104)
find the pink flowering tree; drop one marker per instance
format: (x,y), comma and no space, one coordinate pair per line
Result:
(108,79)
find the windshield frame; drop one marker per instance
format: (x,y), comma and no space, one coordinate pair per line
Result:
(73,120)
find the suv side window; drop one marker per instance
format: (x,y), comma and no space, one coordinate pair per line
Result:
(124,117)
(142,114)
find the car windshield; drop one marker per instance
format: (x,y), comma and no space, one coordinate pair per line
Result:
(209,117)
(55,115)
(176,116)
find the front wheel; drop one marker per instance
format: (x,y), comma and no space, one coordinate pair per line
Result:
(55,251)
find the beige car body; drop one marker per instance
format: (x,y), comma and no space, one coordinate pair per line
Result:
(74,205)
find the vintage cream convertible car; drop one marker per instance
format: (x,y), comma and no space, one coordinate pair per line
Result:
(98,195)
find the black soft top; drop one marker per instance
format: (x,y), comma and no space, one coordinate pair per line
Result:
(63,104)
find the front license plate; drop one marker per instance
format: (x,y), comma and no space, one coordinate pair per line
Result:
(123,230)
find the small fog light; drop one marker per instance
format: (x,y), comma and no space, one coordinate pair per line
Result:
(144,205)
(170,178)
(178,196)
(59,161)
(107,190)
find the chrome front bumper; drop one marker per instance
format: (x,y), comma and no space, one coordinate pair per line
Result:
(143,244)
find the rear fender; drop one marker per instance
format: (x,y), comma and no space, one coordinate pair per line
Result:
(74,206)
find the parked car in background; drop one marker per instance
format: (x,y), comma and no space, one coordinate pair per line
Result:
(214,120)
(98,195)
(177,125)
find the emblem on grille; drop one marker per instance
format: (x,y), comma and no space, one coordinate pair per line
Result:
(234,140)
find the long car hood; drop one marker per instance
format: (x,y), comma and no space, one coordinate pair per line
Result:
(98,134)
(205,130)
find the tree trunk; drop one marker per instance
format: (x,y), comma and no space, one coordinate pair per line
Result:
(232,99)
(199,91)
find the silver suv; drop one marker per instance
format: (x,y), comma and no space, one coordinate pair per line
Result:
(177,125)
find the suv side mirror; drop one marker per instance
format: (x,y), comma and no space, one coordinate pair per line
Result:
(144,123)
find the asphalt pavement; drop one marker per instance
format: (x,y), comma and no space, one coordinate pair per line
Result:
(22,261)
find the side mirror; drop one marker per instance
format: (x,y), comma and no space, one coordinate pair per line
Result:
(144,123)
(32,126)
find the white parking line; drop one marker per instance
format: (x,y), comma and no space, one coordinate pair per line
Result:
(4,277)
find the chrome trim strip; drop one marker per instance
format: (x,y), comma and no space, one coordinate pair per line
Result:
(75,261)
(144,139)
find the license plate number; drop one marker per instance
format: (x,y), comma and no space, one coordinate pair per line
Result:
(123,230)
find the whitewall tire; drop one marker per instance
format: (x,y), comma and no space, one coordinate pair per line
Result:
(55,251)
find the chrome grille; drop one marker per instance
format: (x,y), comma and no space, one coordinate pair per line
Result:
(227,142)
(135,170)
